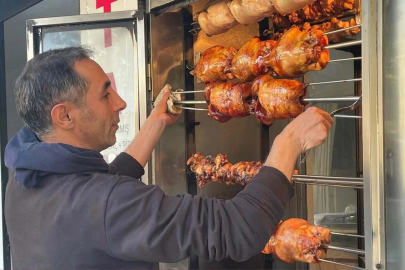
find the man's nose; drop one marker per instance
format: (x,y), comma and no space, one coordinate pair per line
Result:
(120,104)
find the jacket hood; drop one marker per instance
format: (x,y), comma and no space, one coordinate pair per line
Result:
(32,159)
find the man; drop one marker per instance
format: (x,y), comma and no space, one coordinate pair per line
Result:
(68,209)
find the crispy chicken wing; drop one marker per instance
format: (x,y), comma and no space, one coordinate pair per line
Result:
(277,98)
(214,64)
(294,240)
(221,170)
(227,100)
(252,59)
(298,52)
(203,167)
(242,172)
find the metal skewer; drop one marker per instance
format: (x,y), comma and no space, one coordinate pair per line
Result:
(345,59)
(348,116)
(341,264)
(339,81)
(333,99)
(193,109)
(349,250)
(346,234)
(189,102)
(341,30)
(188,92)
(343,44)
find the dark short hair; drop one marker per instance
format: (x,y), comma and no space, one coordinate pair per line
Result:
(49,79)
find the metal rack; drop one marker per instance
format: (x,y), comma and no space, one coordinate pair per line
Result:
(343,182)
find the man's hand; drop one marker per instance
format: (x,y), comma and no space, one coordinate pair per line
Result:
(308,130)
(160,111)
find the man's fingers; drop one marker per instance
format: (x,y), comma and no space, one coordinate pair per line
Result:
(327,124)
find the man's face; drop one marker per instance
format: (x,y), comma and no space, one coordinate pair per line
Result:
(100,116)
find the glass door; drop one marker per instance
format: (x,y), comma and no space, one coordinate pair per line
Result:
(118,42)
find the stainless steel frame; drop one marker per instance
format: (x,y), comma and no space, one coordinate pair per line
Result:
(373,157)
(391,91)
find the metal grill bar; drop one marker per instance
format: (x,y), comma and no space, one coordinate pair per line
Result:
(349,250)
(341,264)
(341,30)
(346,234)
(339,81)
(343,44)
(345,59)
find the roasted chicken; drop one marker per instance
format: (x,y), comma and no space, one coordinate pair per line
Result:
(208,169)
(315,11)
(298,52)
(215,64)
(251,11)
(217,19)
(294,240)
(287,6)
(252,59)
(277,98)
(228,100)
(336,24)
(333,24)
(295,53)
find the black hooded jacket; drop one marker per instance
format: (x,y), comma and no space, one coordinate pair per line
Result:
(66,208)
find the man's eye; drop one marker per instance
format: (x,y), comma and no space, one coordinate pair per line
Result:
(106,95)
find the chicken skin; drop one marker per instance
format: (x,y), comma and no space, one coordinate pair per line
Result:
(214,64)
(228,100)
(217,19)
(277,98)
(284,7)
(294,240)
(251,11)
(252,59)
(298,52)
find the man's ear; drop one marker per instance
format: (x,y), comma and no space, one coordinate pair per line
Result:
(60,116)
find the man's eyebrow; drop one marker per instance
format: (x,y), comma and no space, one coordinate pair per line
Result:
(105,86)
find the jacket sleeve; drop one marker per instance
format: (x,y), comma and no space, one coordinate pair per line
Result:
(126,165)
(142,223)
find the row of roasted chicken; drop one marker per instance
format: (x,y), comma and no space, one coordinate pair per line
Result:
(294,239)
(267,98)
(295,53)
(220,17)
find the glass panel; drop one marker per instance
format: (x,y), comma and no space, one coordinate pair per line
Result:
(115,50)
(333,207)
